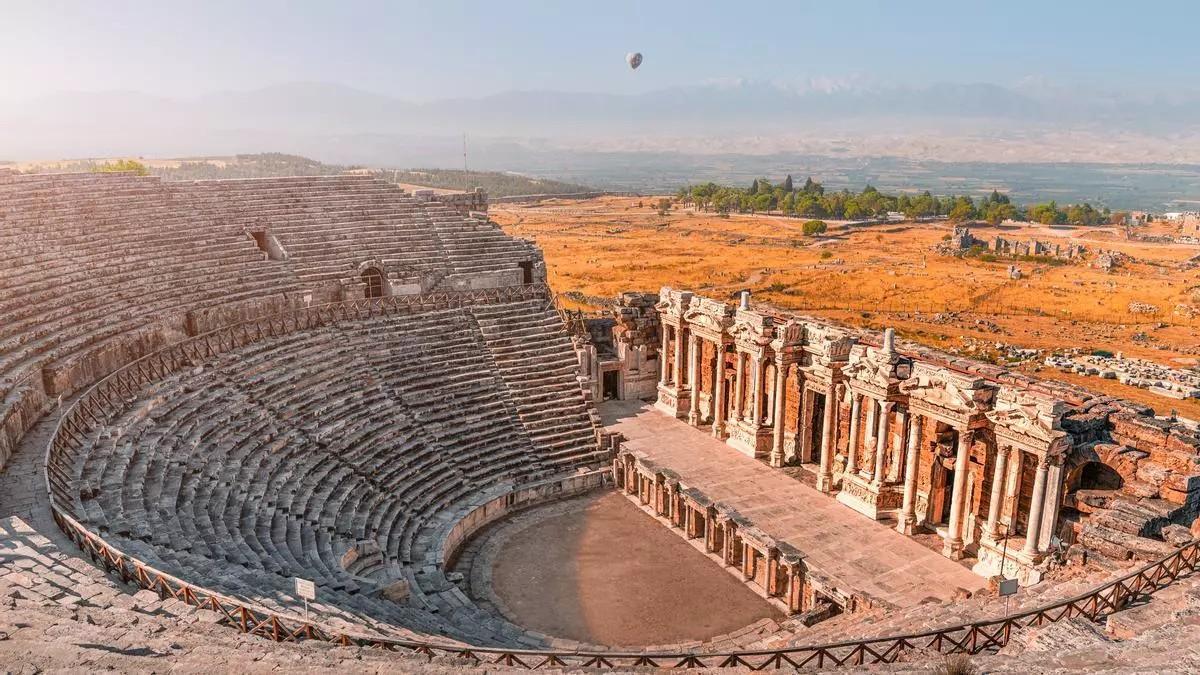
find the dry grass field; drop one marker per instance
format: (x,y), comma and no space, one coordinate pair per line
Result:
(885,275)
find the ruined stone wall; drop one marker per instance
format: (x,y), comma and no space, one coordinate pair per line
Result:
(466,203)
(637,336)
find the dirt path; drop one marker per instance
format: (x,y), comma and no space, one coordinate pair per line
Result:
(609,574)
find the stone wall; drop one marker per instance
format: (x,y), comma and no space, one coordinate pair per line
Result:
(465,203)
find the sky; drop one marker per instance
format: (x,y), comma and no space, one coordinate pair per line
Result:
(453,48)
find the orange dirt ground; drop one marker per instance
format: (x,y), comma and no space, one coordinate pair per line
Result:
(885,275)
(608,574)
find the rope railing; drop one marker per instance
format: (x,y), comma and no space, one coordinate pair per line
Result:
(108,397)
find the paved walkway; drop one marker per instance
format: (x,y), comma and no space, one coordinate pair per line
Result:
(855,552)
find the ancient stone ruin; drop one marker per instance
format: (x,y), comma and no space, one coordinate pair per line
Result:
(216,388)
(961,241)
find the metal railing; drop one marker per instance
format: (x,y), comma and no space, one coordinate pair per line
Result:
(112,394)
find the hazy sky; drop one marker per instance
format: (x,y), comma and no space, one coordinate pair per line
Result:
(450,48)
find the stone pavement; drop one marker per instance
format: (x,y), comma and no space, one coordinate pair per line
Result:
(856,553)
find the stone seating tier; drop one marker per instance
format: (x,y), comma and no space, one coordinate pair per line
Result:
(99,269)
(275,460)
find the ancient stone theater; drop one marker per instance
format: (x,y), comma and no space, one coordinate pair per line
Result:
(213,389)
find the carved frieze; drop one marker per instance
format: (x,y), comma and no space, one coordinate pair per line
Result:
(956,398)
(1030,421)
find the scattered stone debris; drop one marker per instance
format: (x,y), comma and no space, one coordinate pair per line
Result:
(1171,382)
(1142,308)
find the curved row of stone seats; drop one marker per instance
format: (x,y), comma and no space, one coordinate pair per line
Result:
(474,245)
(533,354)
(329,224)
(101,259)
(98,269)
(370,437)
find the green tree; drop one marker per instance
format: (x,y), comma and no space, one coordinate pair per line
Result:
(814,227)
(787,184)
(962,209)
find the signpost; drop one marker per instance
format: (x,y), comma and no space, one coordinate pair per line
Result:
(1008,588)
(306,589)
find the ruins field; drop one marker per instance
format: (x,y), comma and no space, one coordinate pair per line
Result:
(890,275)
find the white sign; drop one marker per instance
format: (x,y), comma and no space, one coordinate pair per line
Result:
(1008,587)
(306,589)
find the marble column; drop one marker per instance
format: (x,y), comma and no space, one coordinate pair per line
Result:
(662,355)
(896,457)
(881,441)
(760,371)
(713,368)
(996,503)
(953,546)
(739,389)
(677,375)
(908,508)
(1037,504)
(718,429)
(777,416)
(694,381)
(852,450)
(828,429)
(869,431)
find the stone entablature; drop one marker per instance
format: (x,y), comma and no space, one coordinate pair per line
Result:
(958,399)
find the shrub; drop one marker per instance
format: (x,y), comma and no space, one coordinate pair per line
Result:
(988,257)
(121,165)
(825,255)
(958,664)
(813,227)
(1103,353)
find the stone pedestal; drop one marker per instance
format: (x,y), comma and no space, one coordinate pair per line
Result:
(873,501)
(752,440)
(672,402)
(1016,564)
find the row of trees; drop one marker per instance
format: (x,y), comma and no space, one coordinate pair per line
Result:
(811,200)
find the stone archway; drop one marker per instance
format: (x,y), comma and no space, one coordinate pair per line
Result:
(372,280)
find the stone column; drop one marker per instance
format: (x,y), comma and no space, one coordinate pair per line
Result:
(828,424)
(1037,504)
(897,455)
(760,373)
(795,588)
(852,450)
(718,429)
(1052,506)
(662,355)
(678,370)
(872,415)
(954,541)
(992,529)
(772,572)
(881,441)
(908,509)
(739,388)
(694,379)
(777,417)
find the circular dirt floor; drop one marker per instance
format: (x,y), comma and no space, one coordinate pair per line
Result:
(607,573)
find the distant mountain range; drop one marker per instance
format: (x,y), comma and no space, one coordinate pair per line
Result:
(582,136)
(101,123)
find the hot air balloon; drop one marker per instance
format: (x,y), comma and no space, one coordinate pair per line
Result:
(634,59)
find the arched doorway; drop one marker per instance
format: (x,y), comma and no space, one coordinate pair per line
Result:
(1093,475)
(373,281)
